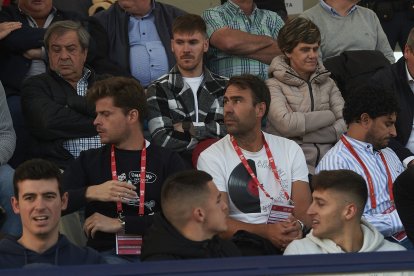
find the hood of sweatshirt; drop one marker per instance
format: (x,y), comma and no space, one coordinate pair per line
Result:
(14,254)
(373,240)
(281,70)
(163,240)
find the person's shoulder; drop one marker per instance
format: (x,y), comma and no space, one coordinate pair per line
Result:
(95,152)
(9,244)
(283,142)
(76,254)
(312,12)
(216,150)
(170,8)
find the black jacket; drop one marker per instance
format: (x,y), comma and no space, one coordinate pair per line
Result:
(395,77)
(54,112)
(163,242)
(14,255)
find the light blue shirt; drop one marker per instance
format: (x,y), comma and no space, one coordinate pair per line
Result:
(333,11)
(339,157)
(147,56)
(75,146)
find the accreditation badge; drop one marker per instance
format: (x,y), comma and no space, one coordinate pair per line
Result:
(399,236)
(127,244)
(280,212)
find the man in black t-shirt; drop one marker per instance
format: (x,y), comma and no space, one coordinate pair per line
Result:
(101,178)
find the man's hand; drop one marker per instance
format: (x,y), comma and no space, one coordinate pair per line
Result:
(282,233)
(7,27)
(411,163)
(33,54)
(99,222)
(178,127)
(111,191)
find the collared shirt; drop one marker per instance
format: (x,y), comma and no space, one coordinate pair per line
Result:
(75,146)
(333,11)
(148,59)
(339,157)
(260,22)
(38,66)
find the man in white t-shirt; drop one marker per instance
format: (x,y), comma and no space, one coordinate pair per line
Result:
(185,106)
(281,186)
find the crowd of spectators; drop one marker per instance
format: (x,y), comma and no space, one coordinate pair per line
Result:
(168,135)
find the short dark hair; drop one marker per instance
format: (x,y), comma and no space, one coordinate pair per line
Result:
(189,23)
(180,191)
(260,91)
(61,27)
(126,93)
(295,31)
(343,181)
(374,100)
(36,169)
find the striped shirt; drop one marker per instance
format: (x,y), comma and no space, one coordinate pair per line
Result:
(260,22)
(339,157)
(75,146)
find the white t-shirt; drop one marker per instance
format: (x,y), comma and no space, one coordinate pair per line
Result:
(194,83)
(247,202)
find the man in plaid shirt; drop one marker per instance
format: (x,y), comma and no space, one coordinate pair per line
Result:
(185,106)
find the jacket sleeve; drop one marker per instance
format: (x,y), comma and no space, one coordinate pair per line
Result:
(7,134)
(74,181)
(160,121)
(294,124)
(50,114)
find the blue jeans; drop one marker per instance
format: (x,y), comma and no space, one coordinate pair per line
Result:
(13,224)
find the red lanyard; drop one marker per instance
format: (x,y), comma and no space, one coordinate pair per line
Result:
(250,171)
(368,175)
(142,176)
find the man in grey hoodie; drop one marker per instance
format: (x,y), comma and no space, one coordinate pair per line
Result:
(339,198)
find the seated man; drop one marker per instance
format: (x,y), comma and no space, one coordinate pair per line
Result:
(54,103)
(339,199)
(22,55)
(194,213)
(370,113)
(186,105)
(263,178)
(139,34)
(242,38)
(127,170)
(398,77)
(12,224)
(39,200)
(346,26)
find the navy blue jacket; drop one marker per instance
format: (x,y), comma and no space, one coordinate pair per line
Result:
(15,255)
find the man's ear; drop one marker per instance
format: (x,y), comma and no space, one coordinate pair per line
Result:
(133,116)
(350,211)
(15,205)
(198,214)
(365,120)
(65,198)
(260,109)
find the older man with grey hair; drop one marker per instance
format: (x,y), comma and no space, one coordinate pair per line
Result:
(54,102)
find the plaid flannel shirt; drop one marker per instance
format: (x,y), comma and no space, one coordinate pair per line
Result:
(170,100)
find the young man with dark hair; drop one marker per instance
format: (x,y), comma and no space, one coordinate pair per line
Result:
(39,200)
(119,184)
(370,113)
(263,178)
(339,199)
(194,213)
(185,106)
